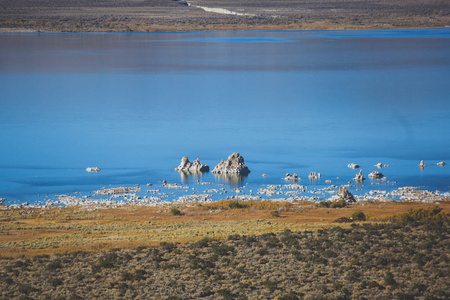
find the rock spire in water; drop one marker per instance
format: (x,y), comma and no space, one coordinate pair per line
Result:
(192,167)
(233,165)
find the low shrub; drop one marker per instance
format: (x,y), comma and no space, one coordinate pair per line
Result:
(420,215)
(175,211)
(235,205)
(274,213)
(343,220)
(333,204)
(358,216)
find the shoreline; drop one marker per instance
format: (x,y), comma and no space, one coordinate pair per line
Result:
(293,193)
(194,29)
(252,29)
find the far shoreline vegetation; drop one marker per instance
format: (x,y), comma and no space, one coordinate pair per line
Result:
(177,16)
(119,26)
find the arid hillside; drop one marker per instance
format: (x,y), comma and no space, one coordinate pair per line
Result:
(403,257)
(167,15)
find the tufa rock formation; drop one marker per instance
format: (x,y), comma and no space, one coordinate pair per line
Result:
(233,165)
(192,167)
(375,175)
(359,177)
(344,194)
(293,177)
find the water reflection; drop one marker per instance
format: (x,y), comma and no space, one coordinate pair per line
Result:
(232,180)
(185,175)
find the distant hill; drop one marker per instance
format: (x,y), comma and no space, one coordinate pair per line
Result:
(181,15)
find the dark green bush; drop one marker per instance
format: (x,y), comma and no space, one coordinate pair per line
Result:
(358,216)
(343,220)
(420,215)
(175,211)
(274,213)
(56,281)
(54,265)
(333,204)
(389,279)
(235,205)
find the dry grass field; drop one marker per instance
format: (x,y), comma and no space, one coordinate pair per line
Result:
(236,250)
(176,15)
(60,230)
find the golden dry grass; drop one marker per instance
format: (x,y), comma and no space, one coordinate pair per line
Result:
(59,230)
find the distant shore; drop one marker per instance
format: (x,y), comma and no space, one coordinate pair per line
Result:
(142,28)
(201,15)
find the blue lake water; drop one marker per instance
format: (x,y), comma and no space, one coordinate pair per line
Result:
(297,102)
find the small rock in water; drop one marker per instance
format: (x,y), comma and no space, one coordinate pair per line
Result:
(441,163)
(313,175)
(422,165)
(293,177)
(93,169)
(353,166)
(379,165)
(375,174)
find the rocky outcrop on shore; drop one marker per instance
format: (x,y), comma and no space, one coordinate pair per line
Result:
(233,165)
(192,167)
(344,194)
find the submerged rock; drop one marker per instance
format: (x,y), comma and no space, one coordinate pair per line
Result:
(93,169)
(193,167)
(353,166)
(233,165)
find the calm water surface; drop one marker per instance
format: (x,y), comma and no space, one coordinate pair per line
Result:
(134,104)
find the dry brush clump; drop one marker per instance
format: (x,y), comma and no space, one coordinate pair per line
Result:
(405,258)
(255,205)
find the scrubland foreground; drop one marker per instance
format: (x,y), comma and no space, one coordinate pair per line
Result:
(228,250)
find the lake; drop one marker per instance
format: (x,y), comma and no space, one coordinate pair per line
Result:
(287,101)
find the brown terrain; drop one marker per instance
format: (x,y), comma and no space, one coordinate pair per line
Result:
(59,230)
(180,15)
(228,250)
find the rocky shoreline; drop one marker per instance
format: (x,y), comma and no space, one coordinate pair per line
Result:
(293,193)
(229,185)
